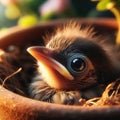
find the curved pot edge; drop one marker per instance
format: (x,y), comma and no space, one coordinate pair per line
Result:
(13,32)
(27,107)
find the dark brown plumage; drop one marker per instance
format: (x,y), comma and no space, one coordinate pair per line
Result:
(74,64)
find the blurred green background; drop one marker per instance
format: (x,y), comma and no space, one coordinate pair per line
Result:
(29,12)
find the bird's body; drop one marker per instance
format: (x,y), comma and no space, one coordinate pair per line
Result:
(73,64)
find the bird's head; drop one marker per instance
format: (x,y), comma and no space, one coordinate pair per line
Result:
(72,59)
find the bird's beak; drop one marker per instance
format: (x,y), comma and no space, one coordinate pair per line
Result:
(43,55)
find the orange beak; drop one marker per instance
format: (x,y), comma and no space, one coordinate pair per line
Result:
(54,73)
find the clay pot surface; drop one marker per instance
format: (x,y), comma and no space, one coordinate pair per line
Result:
(16,107)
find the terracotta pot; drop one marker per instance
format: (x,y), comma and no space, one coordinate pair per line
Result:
(16,107)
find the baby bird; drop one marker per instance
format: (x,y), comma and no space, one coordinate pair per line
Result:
(74,64)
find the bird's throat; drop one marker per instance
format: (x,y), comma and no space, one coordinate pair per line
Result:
(52,77)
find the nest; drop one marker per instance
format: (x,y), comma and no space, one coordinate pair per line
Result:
(17,68)
(111,96)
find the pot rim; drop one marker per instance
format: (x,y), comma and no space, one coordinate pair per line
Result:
(16,30)
(26,106)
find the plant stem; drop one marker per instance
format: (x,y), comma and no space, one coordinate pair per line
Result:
(117,15)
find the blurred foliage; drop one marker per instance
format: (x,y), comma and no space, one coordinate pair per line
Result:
(28,20)
(12,12)
(108,4)
(30,6)
(114,7)
(29,12)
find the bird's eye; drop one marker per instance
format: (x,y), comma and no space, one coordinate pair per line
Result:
(77,63)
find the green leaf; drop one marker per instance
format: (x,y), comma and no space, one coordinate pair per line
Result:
(105,4)
(28,20)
